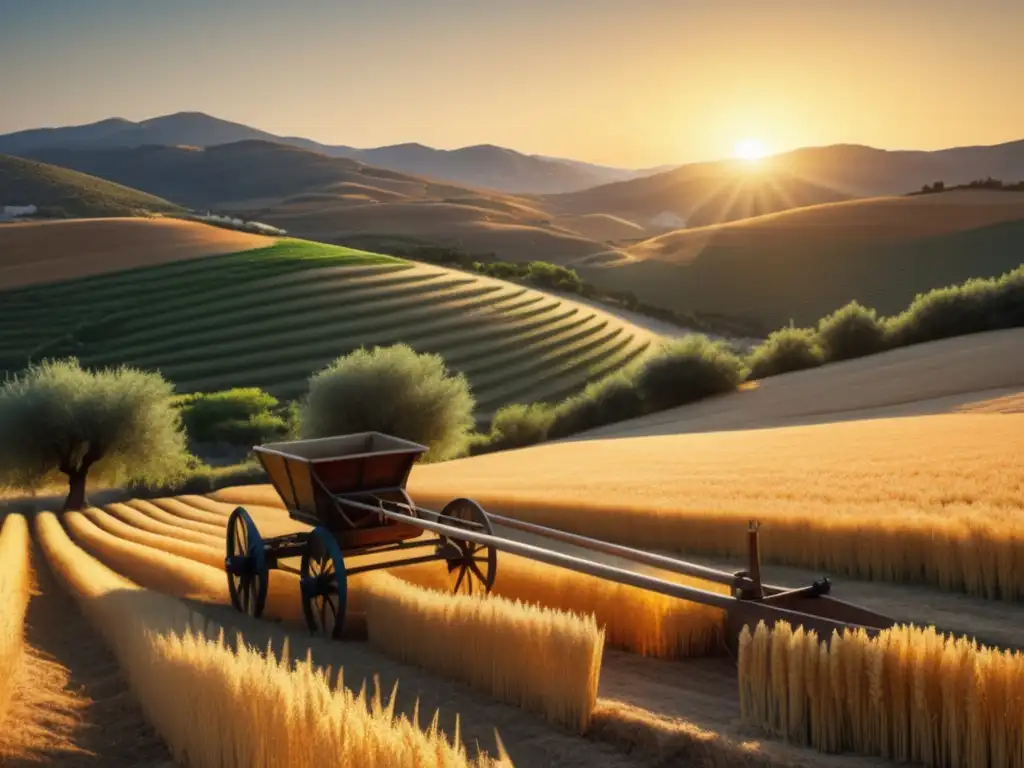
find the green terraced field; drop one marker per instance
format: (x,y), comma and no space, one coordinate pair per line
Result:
(271,317)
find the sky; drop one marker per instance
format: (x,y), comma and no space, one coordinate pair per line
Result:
(631,83)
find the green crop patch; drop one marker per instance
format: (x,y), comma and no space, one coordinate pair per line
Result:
(272,317)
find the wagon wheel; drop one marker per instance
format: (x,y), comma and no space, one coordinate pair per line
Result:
(324,584)
(477,564)
(246,564)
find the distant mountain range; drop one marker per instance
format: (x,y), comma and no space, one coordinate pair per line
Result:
(483,165)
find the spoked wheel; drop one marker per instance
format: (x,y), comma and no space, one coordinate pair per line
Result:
(324,584)
(246,564)
(477,564)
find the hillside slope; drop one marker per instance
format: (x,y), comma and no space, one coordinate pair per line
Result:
(805,176)
(342,201)
(60,191)
(228,173)
(45,251)
(805,263)
(696,195)
(978,372)
(273,316)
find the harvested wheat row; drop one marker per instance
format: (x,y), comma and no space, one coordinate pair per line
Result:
(138,519)
(169,573)
(235,708)
(540,659)
(14,594)
(159,514)
(908,694)
(180,569)
(115,527)
(186,511)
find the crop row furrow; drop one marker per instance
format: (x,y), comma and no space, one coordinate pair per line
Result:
(232,336)
(295,346)
(533,390)
(309,358)
(153,331)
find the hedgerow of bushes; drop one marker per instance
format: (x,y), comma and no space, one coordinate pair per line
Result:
(679,372)
(980,304)
(694,368)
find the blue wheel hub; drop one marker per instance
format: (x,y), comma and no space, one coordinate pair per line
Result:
(238,564)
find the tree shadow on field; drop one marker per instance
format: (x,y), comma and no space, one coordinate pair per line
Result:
(482,721)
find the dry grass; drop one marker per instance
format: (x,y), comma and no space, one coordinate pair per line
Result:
(632,619)
(41,252)
(908,695)
(235,707)
(486,643)
(14,595)
(544,660)
(936,500)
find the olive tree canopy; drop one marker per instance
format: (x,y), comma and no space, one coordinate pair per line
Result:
(113,425)
(396,391)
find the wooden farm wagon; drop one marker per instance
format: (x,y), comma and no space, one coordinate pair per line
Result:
(352,490)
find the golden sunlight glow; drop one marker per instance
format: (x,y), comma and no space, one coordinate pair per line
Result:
(749,149)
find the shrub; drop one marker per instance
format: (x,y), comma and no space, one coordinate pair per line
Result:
(396,391)
(200,479)
(554,277)
(788,349)
(113,424)
(237,416)
(515,426)
(685,370)
(853,331)
(613,398)
(974,306)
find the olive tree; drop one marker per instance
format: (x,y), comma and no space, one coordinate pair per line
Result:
(114,425)
(396,391)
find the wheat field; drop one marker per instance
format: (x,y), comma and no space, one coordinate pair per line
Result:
(935,500)
(632,619)
(14,596)
(486,643)
(235,707)
(908,695)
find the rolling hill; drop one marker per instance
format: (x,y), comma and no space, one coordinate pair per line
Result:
(33,253)
(60,191)
(714,192)
(802,264)
(343,201)
(696,195)
(272,316)
(485,165)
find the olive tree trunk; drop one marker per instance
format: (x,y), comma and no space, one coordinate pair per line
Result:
(75,501)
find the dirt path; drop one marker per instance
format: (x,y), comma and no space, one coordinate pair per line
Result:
(74,707)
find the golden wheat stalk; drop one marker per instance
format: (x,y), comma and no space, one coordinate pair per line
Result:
(14,596)
(907,695)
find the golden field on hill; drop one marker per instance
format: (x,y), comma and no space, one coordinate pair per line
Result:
(937,499)
(42,252)
(868,220)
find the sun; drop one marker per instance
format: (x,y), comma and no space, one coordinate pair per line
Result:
(750,150)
